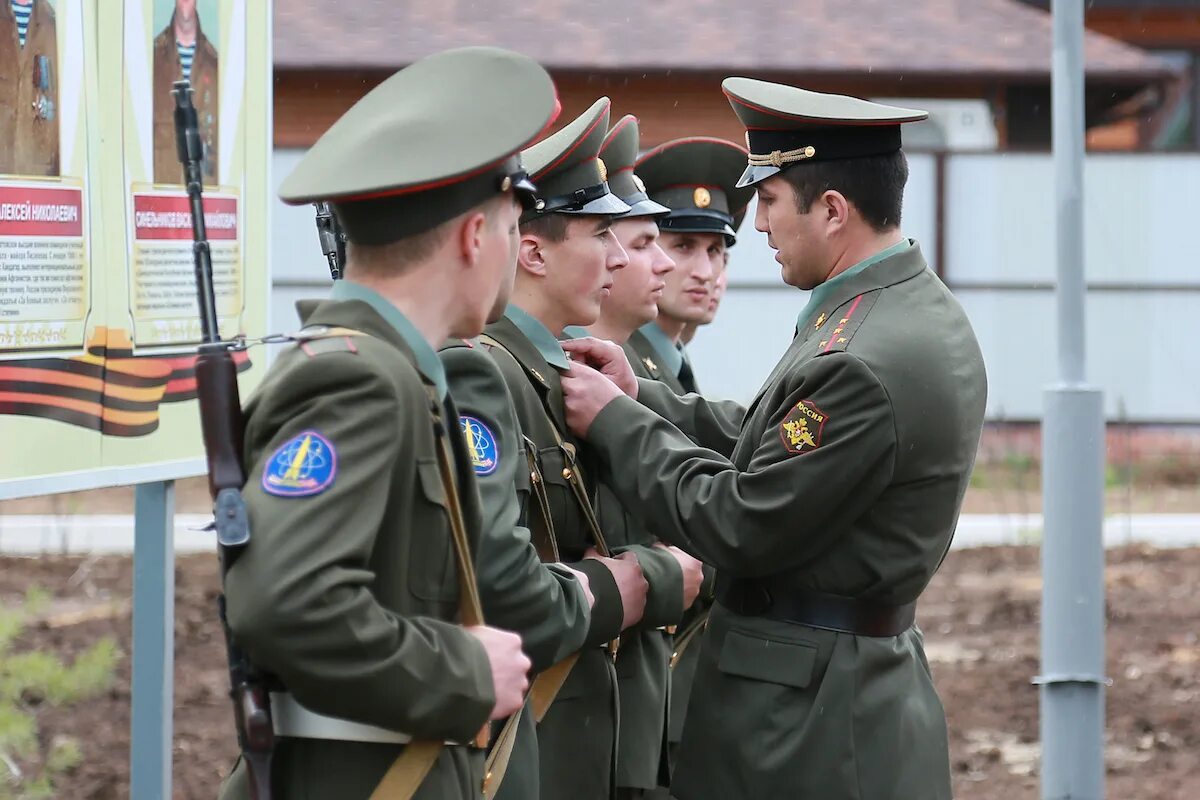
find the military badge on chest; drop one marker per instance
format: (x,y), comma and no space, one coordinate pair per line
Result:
(801,428)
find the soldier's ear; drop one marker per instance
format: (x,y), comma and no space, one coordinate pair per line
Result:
(531,255)
(834,209)
(471,230)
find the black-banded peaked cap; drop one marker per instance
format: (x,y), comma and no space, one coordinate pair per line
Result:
(619,152)
(786,126)
(696,177)
(566,166)
(435,139)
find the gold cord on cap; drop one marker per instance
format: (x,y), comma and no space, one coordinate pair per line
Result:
(778,158)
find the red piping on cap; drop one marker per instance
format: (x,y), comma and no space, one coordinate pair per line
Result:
(583,137)
(624,122)
(690,140)
(779,115)
(422,187)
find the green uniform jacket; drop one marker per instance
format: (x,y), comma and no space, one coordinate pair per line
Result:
(350,595)
(845,475)
(576,737)
(546,606)
(643,662)
(648,363)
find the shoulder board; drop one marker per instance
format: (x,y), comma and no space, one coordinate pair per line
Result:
(848,319)
(491,343)
(320,340)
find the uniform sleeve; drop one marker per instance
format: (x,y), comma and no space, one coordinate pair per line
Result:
(664,601)
(827,452)
(300,596)
(546,607)
(712,424)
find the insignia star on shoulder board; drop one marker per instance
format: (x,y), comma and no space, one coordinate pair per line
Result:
(820,321)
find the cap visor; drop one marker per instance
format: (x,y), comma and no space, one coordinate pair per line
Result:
(608,204)
(753,175)
(646,208)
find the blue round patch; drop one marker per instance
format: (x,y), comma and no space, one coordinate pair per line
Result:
(481,444)
(303,465)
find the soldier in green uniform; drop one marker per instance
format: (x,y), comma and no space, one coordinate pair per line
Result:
(349,591)
(829,503)
(696,178)
(566,259)
(538,600)
(643,672)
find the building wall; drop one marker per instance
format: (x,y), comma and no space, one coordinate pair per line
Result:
(667,106)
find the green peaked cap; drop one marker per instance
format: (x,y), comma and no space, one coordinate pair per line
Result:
(786,126)
(696,177)
(434,140)
(570,176)
(619,152)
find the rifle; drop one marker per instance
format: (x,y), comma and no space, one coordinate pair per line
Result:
(221,424)
(333,239)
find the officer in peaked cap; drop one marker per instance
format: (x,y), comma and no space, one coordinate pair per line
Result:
(357,590)
(566,261)
(827,506)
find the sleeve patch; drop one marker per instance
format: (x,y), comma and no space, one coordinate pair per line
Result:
(304,465)
(481,444)
(802,427)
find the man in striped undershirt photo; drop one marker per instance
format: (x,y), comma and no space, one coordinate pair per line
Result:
(182,51)
(29,115)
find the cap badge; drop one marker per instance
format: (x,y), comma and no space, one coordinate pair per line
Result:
(701,197)
(641,187)
(603,169)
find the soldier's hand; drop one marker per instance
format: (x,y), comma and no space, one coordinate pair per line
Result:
(631,584)
(585,393)
(584,582)
(510,667)
(606,357)
(693,573)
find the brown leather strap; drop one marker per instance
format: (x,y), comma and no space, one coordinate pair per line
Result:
(541,525)
(406,773)
(548,683)
(689,635)
(497,760)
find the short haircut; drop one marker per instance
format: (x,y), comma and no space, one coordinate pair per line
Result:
(873,184)
(396,257)
(551,227)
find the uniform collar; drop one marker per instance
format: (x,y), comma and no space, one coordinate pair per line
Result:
(822,292)
(668,352)
(575,332)
(427,359)
(539,336)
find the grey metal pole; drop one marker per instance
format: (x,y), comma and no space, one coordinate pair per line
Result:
(1072,682)
(153,640)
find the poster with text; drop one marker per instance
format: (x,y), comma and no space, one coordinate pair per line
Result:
(98,313)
